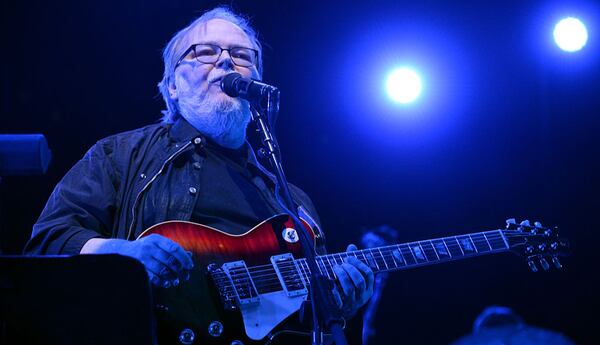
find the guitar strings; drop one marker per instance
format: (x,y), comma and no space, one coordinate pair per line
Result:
(259,273)
(264,275)
(256,271)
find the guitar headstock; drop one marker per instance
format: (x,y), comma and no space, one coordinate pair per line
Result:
(539,244)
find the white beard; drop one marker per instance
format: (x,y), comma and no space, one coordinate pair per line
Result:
(223,120)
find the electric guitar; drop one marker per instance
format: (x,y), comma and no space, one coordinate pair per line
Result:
(247,289)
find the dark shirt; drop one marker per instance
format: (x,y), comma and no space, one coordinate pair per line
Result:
(236,196)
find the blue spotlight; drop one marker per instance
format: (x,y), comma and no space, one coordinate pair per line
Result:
(403,85)
(570,34)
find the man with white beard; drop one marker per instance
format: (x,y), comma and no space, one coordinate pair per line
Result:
(196,165)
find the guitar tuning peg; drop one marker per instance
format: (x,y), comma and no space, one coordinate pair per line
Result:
(529,249)
(509,222)
(532,266)
(523,226)
(544,264)
(556,262)
(526,225)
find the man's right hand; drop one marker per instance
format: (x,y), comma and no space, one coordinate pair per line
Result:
(165,261)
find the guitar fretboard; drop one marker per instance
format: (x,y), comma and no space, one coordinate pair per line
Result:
(295,274)
(407,255)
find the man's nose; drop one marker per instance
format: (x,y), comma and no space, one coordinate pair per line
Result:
(225,61)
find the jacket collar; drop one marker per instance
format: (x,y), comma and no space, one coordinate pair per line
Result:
(182,132)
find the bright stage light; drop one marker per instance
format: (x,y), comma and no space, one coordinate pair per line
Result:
(570,34)
(403,85)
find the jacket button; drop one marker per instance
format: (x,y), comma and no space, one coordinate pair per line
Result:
(192,190)
(198,141)
(197,165)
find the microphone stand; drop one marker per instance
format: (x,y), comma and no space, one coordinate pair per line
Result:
(325,314)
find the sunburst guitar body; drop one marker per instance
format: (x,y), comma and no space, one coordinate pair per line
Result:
(232,297)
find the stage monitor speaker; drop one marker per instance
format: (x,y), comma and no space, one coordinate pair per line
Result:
(24,154)
(82,299)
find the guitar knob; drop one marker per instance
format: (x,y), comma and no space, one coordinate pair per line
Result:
(556,263)
(542,247)
(215,329)
(554,245)
(532,266)
(544,264)
(529,249)
(187,336)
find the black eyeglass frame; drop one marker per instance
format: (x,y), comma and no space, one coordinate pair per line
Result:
(193,47)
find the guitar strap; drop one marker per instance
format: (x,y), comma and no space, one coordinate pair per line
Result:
(319,235)
(302,213)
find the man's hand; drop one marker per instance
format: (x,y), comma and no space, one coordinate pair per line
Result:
(165,261)
(355,284)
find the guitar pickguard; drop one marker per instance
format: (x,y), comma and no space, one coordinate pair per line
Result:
(274,307)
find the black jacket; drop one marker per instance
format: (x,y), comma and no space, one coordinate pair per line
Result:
(103,195)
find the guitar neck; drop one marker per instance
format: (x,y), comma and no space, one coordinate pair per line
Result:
(291,274)
(412,254)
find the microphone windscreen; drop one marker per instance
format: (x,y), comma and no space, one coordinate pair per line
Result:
(228,84)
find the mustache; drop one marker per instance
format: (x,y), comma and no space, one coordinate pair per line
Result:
(218,76)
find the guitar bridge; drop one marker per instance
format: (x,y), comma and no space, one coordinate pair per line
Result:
(223,284)
(243,285)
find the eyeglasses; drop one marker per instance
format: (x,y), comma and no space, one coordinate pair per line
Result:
(210,53)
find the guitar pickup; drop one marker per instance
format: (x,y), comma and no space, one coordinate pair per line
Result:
(243,285)
(289,275)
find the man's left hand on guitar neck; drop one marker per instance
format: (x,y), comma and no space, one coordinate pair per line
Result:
(354,284)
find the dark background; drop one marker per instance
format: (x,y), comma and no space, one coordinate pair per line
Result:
(506,127)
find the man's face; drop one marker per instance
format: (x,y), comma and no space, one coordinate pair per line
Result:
(197,89)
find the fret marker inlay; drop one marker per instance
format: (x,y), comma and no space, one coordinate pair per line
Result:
(418,252)
(466,244)
(397,256)
(371,261)
(441,248)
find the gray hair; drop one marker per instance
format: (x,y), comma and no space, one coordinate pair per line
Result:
(180,42)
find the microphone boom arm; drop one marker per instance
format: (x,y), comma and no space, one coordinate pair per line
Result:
(325,314)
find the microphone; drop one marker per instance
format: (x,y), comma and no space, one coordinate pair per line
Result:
(234,85)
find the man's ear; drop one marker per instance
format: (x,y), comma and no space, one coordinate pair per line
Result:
(172,91)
